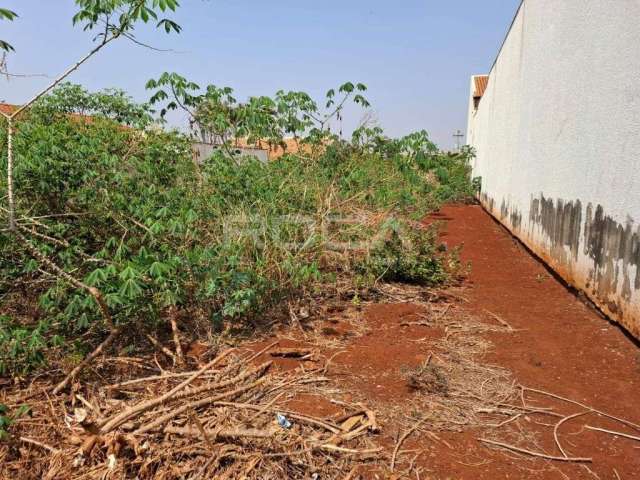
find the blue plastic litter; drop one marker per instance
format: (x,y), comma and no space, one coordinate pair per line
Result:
(282,421)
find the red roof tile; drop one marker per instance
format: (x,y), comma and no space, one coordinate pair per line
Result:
(481,82)
(7,108)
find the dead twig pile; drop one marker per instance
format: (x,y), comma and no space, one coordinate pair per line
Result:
(227,419)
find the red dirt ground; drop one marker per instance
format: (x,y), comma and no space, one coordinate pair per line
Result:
(564,347)
(561,345)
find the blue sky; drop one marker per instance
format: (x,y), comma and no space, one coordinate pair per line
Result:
(415,56)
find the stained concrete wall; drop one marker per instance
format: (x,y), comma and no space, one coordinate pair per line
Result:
(557,136)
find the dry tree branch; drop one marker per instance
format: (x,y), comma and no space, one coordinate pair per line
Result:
(173,313)
(157,424)
(535,454)
(162,348)
(224,433)
(11,198)
(152,378)
(611,432)
(94,292)
(39,444)
(591,409)
(193,416)
(32,231)
(557,426)
(64,75)
(117,420)
(88,359)
(9,75)
(401,440)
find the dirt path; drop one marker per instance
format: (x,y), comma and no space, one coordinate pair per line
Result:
(560,345)
(563,346)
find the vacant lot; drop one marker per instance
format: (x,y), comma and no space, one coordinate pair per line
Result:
(401,384)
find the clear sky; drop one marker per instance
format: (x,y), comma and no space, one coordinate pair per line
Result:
(415,56)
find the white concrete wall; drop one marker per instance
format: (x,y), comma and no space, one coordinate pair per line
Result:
(557,136)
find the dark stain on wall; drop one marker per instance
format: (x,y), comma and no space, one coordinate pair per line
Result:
(487,201)
(612,247)
(515,217)
(560,220)
(609,244)
(504,210)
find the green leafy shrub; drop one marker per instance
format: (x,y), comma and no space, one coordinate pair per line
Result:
(128,212)
(409,254)
(21,347)
(7,418)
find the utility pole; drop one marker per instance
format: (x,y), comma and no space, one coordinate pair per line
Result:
(458,136)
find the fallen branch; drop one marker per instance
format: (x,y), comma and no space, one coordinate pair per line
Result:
(557,426)
(333,448)
(257,354)
(296,416)
(39,444)
(351,474)
(224,433)
(536,454)
(599,412)
(207,438)
(155,424)
(443,313)
(611,432)
(119,419)
(290,352)
(88,359)
(500,320)
(401,440)
(152,378)
(162,348)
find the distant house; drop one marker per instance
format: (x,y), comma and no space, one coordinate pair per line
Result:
(202,151)
(275,151)
(480,83)
(7,108)
(262,149)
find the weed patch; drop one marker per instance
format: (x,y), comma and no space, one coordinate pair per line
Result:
(127,212)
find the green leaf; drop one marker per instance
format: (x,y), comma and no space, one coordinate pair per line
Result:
(129,273)
(96,277)
(8,14)
(347,87)
(159,269)
(130,289)
(6,46)
(169,25)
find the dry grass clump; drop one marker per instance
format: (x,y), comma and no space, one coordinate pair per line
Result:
(456,388)
(428,378)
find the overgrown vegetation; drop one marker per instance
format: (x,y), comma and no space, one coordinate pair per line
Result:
(124,209)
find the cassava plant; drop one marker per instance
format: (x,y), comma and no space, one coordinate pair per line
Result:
(215,116)
(123,210)
(111,20)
